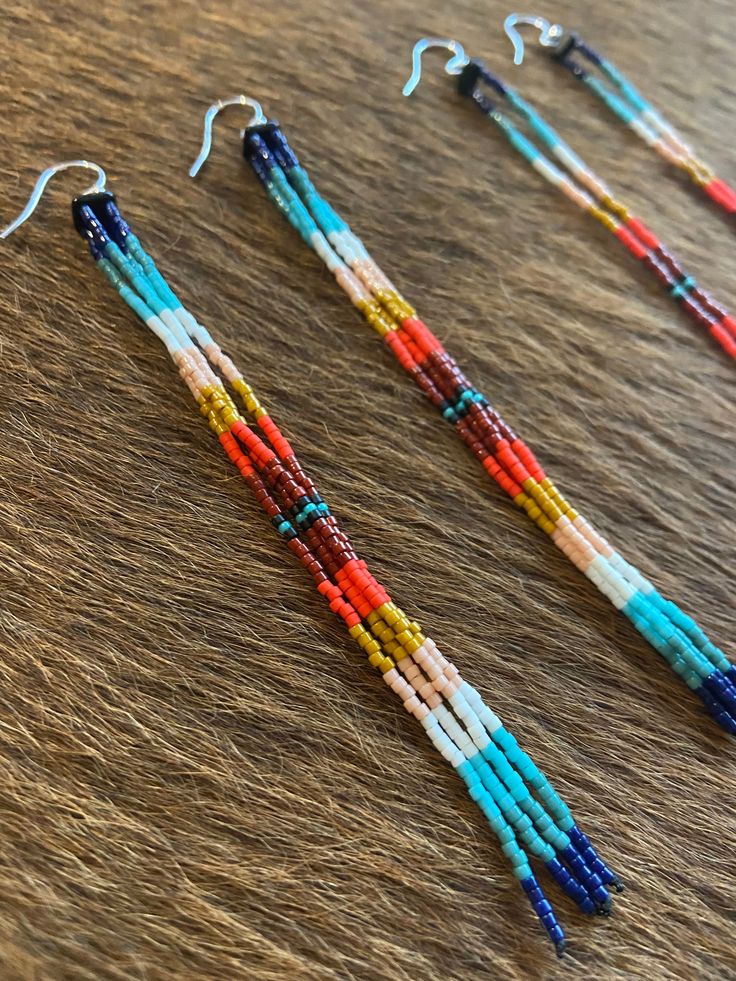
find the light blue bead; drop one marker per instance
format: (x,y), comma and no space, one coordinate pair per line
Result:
(618,106)
(525,147)
(477,792)
(465,770)
(612,73)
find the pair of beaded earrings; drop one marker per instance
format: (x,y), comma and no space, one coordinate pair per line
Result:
(569,173)
(519,803)
(624,101)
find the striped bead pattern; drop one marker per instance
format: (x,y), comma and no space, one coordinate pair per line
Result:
(508,460)
(520,805)
(580,184)
(626,103)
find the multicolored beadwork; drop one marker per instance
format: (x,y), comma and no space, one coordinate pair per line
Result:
(520,805)
(639,115)
(508,460)
(582,186)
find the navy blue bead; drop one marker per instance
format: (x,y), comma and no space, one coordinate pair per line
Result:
(590,879)
(493,80)
(571,886)
(545,912)
(719,685)
(92,229)
(592,859)
(279,146)
(715,708)
(543,908)
(590,53)
(258,154)
(116,226)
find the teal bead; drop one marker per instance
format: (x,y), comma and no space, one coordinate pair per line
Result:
(506,835)
(523,872)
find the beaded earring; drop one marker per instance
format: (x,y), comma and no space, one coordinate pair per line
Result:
(580,184)
(519,803)
(505,457)
(624,101)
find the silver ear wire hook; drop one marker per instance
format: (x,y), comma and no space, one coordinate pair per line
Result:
(44,178)
(257,118)
(549,34)
(453,67)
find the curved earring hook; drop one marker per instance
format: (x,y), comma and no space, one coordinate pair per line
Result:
(549,34)
(257,118)
(453,67)
(44,178)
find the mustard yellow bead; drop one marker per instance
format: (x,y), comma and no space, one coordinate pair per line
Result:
(403,638)
(386,665)
(604,218)
(413,645)
(371,648)
(357,630)
(376,659)
(615,206)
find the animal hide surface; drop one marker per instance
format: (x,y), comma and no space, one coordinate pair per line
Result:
(201,779)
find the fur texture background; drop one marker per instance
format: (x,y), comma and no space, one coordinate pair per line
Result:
(199,777)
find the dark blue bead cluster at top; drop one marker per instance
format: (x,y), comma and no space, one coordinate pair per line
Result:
(98,221)
(265,145)
(567,47)
(473,73)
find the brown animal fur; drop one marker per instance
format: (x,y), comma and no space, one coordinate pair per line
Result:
(182,795)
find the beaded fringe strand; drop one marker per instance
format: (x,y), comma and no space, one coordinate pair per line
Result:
(520,805)
(508,460)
